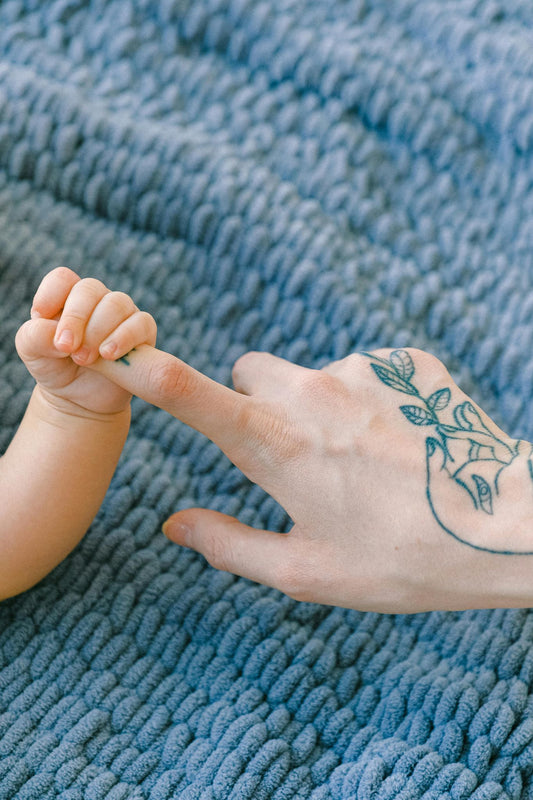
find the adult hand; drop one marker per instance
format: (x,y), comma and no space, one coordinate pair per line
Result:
(399,504)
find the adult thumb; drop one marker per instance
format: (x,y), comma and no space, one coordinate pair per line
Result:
(229,545)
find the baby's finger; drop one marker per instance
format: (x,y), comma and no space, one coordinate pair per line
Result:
(113,309)
(35,340)
(138,329)
(52,293)
(79,305)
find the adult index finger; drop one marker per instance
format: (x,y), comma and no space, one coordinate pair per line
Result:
(228,418)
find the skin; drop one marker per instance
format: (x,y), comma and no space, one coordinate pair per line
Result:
(390,507)
(405,495)
(65,451)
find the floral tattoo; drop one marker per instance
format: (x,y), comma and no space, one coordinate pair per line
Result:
(474,457)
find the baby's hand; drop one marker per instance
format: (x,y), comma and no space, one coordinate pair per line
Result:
(74,322)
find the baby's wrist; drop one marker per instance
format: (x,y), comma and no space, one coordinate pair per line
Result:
(60,411)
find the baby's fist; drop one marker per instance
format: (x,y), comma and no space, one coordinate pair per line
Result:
(75,321)
(93,321)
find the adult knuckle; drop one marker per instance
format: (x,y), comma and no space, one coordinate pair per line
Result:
(271,431)
(217,551)
(281,436)
(251,422)
(243,361)
(171,379)
(423,360)
(243,366)
(423,356)
(429,364)
(341,366)
(323,389)
(294,577)
(246,419)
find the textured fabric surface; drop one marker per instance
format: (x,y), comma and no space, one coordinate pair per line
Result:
(307,177)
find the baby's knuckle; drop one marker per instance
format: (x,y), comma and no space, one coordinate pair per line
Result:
(92,285)
(149,323)
(120,301)
(23,336)
(73,319)
(63,274)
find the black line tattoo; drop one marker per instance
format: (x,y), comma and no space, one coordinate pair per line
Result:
(475,458)
(124,359)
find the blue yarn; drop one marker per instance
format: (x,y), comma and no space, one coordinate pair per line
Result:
(309,179)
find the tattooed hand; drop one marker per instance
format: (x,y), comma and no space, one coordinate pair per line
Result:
(471,464)
(404,495)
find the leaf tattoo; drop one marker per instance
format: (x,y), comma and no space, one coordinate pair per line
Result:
(397,372)
(418,415)
(393,379)
(479,457)
(403,364)
(439,399)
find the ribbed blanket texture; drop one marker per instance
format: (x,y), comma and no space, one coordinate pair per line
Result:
(308,178)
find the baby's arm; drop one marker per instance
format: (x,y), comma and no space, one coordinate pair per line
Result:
(59,464)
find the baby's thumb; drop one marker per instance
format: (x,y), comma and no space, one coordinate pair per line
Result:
(229,545)
(35,339)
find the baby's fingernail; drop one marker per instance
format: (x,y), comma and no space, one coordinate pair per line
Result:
(34,314)
(108,349)
(66,338)
(82,354)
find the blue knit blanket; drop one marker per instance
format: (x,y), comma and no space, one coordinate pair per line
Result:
(310,178)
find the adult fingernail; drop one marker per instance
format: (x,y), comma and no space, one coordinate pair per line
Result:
(177,532)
